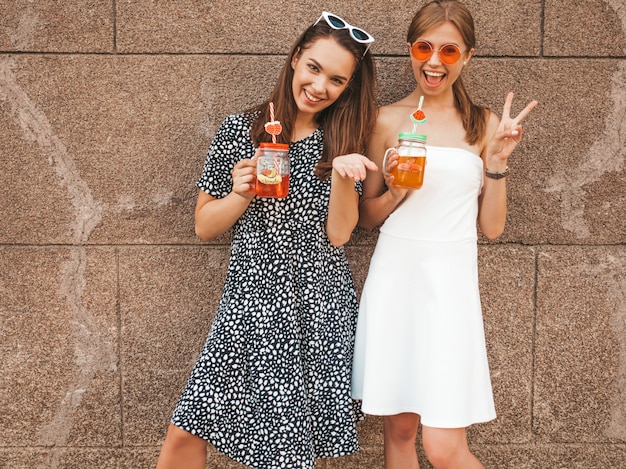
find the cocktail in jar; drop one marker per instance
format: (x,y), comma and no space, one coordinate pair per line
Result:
(411,151)
(272,170)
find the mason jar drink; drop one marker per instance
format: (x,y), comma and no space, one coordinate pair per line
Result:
(272,170)
(411,150)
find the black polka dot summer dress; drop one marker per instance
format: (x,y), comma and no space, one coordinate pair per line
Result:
(271,388)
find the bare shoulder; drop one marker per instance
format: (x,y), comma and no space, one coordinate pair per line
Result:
(385,113)
(391,116)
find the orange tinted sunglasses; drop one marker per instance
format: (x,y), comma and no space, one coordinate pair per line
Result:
(423,50)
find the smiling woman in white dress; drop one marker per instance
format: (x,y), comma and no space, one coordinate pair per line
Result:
(420,355)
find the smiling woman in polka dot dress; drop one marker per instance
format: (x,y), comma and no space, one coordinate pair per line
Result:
(271,387)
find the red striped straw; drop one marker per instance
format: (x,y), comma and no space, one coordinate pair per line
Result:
(272,119)
(276,165)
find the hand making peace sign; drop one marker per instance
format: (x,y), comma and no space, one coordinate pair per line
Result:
(507,135)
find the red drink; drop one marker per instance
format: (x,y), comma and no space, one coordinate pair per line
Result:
(276,187)
(272,170)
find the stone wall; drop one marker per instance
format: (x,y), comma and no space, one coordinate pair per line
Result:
(106,111)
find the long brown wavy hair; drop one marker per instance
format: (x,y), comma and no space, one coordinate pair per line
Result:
(434,14)
(347,123)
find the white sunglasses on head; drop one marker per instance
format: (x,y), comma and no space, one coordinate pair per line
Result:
(358,34)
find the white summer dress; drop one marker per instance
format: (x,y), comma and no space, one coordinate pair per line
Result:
(420,343)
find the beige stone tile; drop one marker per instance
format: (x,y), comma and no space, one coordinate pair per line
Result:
(507,28)
(270,27)
(567,177)
(58,323)
(168,297)
(118,142)
(580,345)
(22,214)
(359,260)
(138,458)
(234,26)
(507,283)
(590,28)
(80,458)
(64,457)
(395,78)
(362,237)
(44,26)
(551,456)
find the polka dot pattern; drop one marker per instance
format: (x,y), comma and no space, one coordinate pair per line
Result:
(271,388)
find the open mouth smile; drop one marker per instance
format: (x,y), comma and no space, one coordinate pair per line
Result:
(433,78)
